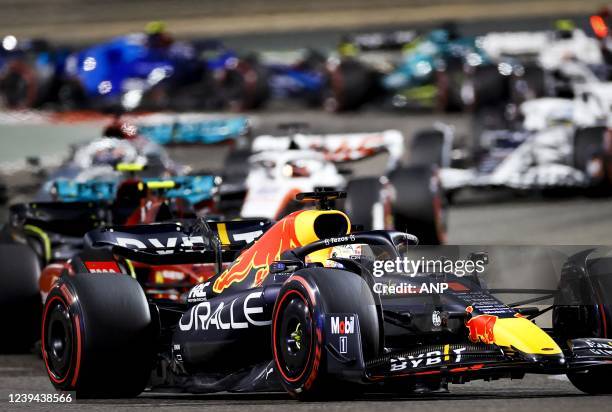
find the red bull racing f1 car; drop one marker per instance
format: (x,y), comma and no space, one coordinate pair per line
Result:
(303,309)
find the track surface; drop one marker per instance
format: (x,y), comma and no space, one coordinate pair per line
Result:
(25,374)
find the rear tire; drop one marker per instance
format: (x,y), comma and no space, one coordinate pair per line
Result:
(449,83)
(97,336)
(366,203)
(489,86)
(19,86)
(427,148)
(20,300)
(246,87)
(350,85)
(306,297)
(419,207)
(589,157)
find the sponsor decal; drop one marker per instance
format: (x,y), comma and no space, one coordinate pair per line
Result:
(335,240)
(198,292)
(480,327)
(205,316)
(436,318)
(599,348)
(102,267)
(424,359)
(343,345)
(342,326)
(155,243)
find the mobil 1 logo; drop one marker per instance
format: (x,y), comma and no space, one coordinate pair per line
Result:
(342,339)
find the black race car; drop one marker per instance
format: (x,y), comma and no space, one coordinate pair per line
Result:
(300,310)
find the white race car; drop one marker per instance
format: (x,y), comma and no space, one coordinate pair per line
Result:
(563,143)
(405,198)
(554,63)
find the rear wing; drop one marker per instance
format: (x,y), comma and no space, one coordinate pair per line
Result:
(194,189)
(515,44)
(383,41)
(339,147)
(174,243)
(69,219)
(190,129)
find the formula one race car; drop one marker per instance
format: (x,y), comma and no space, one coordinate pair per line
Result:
(121,144)
(439,69)
(42,237)
(146,71)
(549,63)
(562,145)
(404,198)
(303,310)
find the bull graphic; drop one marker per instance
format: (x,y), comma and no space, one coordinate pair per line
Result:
(256,259)
(480,327)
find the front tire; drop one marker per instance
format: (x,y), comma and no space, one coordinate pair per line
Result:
(593,382)
(303,300)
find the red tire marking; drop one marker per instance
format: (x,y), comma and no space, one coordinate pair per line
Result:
(44,351)
(288,293)
(77,367)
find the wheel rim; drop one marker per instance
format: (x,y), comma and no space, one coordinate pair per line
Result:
(58,340)
(293,339)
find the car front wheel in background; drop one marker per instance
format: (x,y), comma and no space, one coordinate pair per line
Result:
(419,205)
(20,300)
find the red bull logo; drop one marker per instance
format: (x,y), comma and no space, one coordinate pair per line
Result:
(480,327)
(256,259)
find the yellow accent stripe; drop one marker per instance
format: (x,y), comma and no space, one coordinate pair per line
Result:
(446,350)
(130,268)
(162,184)
(35,230)
(222,229)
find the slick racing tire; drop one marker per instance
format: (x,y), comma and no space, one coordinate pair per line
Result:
(427,148)
(20,300)
(71,96)
(489,87)
(19,85)
(449,83)
(530,84)
(300,352)
(594,381)
(419,207)
(349,85)
(590,158)
(366,203)
(97,336)
(245,86)
(236,166)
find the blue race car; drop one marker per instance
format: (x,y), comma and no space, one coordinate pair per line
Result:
(145,71)
(152,71)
